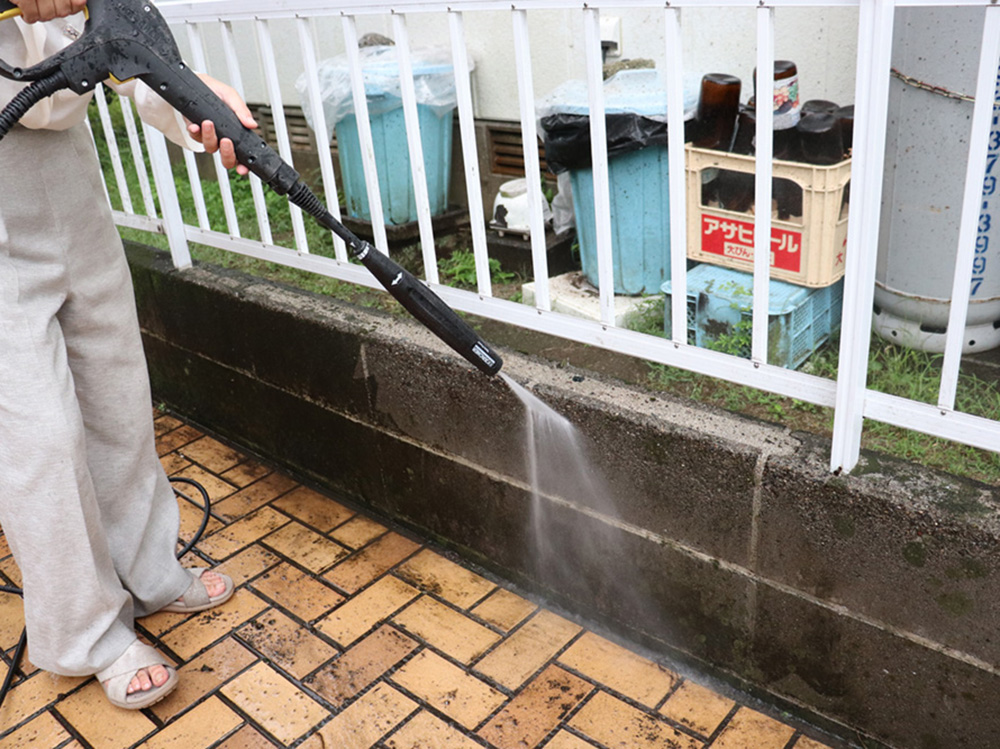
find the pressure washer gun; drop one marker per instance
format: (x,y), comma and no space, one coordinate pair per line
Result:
(125,39)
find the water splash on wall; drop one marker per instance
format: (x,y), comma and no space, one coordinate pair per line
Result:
(575,525)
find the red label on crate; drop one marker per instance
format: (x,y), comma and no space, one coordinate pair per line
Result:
(734,239)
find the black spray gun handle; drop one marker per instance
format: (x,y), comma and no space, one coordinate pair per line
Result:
(125,39)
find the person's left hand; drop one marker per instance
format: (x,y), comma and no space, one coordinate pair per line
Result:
(205,133)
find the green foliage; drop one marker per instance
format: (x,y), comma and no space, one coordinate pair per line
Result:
(548,190)
(648,317)
(459,269)
(892,369)
(737,340)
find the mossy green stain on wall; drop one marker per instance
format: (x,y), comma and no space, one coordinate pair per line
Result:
(844,526)
(968,569)
(965,501)
(955,603)
(915,553)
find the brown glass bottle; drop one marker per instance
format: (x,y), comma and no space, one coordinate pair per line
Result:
(718,107)
(818,106)
(736,188)
(716,120)
(821,139)
(787,112)
(787,109)
(845,115)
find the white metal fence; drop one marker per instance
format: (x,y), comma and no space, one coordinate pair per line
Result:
(848,395)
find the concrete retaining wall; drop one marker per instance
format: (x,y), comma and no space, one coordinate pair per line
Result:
(870,601)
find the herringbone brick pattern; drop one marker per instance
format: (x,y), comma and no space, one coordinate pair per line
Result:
(346,633)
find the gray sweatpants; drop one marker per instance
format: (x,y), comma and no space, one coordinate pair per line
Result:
(84,503)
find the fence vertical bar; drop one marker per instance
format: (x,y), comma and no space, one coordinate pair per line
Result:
(678,179)
(104,182)
(470,154)
(875,22)
(969,226)
(170,206)
(137,157)
(599,159)
(418,172)
(364,134)
(320,125)
(532,168)
(236,81)
(762,185)
(112,141)
(221,173)
(280,126)
(197,194)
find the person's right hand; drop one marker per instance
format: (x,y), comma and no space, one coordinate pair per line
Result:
(33,11)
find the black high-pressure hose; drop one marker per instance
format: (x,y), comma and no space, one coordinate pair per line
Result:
(29,97)
(15,659)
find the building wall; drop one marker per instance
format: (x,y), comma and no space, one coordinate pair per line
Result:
(821,41)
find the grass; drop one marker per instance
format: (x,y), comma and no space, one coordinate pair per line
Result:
(892,369)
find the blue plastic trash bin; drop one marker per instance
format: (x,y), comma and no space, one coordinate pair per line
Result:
(392,161)
(638,179)
(434,84)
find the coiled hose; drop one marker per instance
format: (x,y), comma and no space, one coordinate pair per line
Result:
(28,97)
(15,660)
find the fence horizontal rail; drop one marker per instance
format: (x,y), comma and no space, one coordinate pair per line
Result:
(216,10)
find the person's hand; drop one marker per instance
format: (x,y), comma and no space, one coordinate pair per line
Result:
(205,133)
(33,11)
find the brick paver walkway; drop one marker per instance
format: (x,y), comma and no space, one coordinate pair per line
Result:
(344,633)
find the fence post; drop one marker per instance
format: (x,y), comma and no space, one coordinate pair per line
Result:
(982,120)
(872,100)
(677,171)
(170,205)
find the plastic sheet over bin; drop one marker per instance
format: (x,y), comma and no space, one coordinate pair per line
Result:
(636,116)
(434,83)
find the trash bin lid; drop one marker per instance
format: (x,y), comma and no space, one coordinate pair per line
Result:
(642,92)
(380,66)
(434,82)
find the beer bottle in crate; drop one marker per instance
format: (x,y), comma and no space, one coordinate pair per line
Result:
(718,105)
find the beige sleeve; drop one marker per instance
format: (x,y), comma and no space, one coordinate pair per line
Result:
(27,44)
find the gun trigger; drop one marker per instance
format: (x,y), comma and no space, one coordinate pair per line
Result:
(130,78)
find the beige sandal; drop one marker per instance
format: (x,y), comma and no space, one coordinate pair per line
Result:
(115,678)
(196,597)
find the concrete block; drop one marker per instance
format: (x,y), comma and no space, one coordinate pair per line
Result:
(571,294)
(903,692)
(904,546)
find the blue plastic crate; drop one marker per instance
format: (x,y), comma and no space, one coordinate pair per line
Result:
(719,314)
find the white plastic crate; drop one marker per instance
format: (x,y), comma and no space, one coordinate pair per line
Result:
(808,250)
(719,314)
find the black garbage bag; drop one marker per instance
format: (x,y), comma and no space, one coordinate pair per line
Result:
(567,137)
